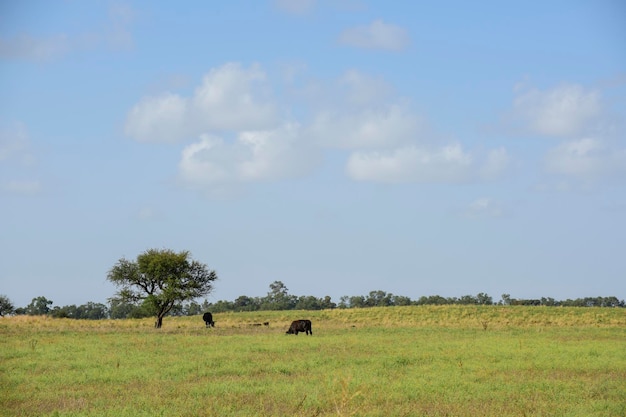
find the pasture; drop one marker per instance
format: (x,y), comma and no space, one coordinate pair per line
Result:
(392,361)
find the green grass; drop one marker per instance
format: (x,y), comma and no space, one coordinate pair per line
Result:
(395,361)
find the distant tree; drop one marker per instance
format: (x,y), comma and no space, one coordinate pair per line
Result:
(221,306)
(38,306)
(484,299)
(193,309)
(6,306)
(433,300)
(401,300)
(344,302)
(549,301)
(327,303)
(308,302)
(357,301)
(64,312)
(378,299)
(93,311)
(506,299)
(124,309)
(245,303)
(161,279)
(278,298)
(467,300)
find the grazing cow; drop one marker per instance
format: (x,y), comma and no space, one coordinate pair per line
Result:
(300,326)
(208,319)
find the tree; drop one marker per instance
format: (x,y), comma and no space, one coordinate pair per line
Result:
(161,279)
(245,303)
(38,306)
(484,299)
(279,298)
(6,306)
(123,309)
(378,299)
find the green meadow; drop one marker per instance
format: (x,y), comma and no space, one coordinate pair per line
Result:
(389,361)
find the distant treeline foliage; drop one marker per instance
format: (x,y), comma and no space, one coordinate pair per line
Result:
(278,298)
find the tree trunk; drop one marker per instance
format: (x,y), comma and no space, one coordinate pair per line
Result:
(159,322)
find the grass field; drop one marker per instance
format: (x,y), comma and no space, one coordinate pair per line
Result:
(393,361)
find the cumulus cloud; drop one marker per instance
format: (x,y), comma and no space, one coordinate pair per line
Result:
(242,139)
(229,98)
(376,35)
(358,111)
(581,119)
(254,156)
(363,90)
(373,127)
(447,164)
(586,159)
(565,111)
(158,119)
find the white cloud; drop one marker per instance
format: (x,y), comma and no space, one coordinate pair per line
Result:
(587,159)
(358,111)
(387,139)
(362,89)
(590,151)
(377,35)
(254,156)
(373,127)
(565,111)
(234,98)
(158,119)
(412,164)
(229,98)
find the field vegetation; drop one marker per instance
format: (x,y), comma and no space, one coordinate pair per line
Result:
(385,361)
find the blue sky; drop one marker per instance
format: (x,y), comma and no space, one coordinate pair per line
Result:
(338,146)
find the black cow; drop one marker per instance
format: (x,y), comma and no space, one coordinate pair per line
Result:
(208,319)
(300,326)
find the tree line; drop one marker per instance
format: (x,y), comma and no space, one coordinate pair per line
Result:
(278,298)
(161,282)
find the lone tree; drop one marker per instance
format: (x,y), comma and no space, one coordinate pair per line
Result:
(161,279)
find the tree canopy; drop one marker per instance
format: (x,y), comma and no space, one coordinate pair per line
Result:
(161,280)
(6,306)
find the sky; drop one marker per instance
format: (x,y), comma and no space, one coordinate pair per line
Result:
(339,146)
